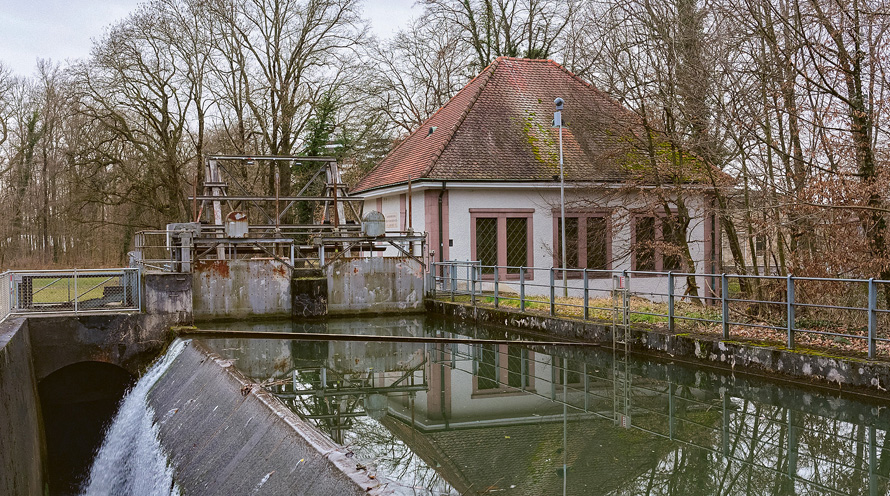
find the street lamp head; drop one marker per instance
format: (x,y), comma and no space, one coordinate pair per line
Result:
(558,102)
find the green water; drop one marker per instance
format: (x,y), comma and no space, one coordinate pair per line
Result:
(525,419)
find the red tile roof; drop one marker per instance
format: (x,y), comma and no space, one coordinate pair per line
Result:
(499,127)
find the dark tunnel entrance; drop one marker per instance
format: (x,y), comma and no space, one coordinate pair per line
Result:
(78,403)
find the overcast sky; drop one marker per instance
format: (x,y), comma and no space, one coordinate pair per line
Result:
(64,29)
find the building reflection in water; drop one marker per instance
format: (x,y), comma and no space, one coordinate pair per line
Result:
(528,419)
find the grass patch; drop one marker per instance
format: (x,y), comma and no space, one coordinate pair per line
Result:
(61,289)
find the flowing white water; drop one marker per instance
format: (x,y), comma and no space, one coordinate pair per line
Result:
(131,460)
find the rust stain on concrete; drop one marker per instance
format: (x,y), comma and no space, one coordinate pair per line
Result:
(281,271)
(220,267)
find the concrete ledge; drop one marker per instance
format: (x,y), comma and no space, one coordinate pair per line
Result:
(226,437)
(813,366)
(22,444)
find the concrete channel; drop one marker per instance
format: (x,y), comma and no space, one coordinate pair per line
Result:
(211,423)
(855,375)
(225,435)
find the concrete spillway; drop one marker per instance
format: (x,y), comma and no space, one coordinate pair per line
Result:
(225,436)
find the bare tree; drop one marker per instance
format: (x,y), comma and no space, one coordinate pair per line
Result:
(419,71)
(512,28)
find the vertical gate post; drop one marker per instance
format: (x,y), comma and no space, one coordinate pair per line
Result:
(671,301)
(552,292)
(586,296)
(471,274)
(521,289)
(496,270)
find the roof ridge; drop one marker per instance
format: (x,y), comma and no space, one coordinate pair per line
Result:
(421,126)
(460,120)
(588,84)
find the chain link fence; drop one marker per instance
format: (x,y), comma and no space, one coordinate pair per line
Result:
(66,291)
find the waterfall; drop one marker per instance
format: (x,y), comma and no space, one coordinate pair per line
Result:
(131,460)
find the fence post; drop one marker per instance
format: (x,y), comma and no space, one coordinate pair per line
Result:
(471,273)
(521,289)
(724,296)
(586,296)
(552,292)
(496,270)
(75,290)
(671,301)
(790,304)
(872,317)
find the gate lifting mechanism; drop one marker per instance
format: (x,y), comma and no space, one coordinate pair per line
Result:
(221,228)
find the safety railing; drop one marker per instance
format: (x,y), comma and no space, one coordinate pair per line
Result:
(69,291)
(849,314)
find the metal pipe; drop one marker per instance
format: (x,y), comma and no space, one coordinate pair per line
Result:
(872,317)
(562,200)
(410,224)
(277,199)
(309,336)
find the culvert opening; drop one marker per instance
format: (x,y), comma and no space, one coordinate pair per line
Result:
(78,403)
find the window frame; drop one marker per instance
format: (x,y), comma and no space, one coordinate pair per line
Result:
(657,252)
(502,214)
(527,372)
(582,215)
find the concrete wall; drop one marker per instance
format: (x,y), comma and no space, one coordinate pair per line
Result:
(374,285)
(22,445)
(238,289)
(129,340)
(227,436)
(167,299)
(33,348)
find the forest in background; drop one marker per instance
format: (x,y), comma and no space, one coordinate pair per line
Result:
(786,97)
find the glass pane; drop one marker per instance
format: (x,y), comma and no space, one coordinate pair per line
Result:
(487,242)
(644,248)
(597,252)
(571,242)
(487,372)
(671,259)
(517,243)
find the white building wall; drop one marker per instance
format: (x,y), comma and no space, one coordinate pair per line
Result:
(392,211)
(543,200)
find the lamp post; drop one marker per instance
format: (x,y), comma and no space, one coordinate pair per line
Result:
(557,121)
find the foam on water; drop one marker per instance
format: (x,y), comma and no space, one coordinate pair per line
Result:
(131,460)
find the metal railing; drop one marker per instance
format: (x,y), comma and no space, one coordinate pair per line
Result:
(27,292)
(852,314)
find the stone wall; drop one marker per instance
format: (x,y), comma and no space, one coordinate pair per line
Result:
(778,362)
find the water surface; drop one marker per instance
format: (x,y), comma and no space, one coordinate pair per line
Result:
(526,419)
